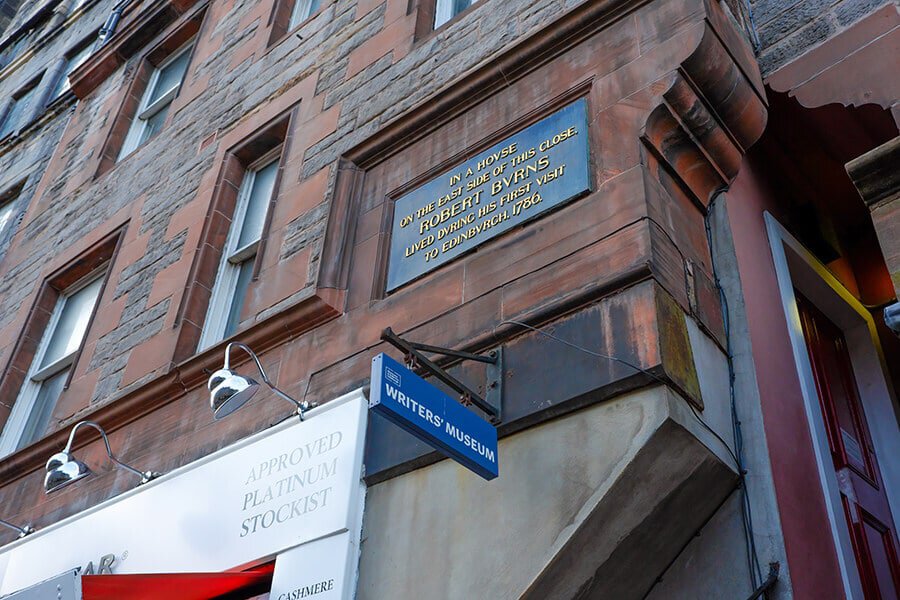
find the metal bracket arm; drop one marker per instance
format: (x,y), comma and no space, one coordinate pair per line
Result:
(414,350)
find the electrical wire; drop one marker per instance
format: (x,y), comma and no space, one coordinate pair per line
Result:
(756,575)
(753,566)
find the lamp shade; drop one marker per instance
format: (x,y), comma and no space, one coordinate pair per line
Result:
(63,469)
(229,391)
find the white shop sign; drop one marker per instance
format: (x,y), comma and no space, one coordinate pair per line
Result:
(315,570)
(283,487)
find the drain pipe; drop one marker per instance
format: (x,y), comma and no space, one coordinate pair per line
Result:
(109,27)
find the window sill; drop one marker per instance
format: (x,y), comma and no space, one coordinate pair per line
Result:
(51,111)
(61,100)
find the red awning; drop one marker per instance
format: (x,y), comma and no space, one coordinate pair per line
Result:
(175,586)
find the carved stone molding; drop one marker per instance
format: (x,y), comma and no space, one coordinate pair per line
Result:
(855,67)
(142,24)
(876,174)
(710,115)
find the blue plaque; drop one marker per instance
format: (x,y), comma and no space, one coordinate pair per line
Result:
(423,410)
(522,177)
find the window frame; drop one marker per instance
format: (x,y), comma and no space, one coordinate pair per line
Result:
(26,91)
(61,85)
(797,269)
(9,199)
(242,150)
(35,378)
(298,16)
(9,206)
(233,258)
(443,12)
(134,138)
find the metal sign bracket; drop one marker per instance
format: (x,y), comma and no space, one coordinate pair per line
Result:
(492,402)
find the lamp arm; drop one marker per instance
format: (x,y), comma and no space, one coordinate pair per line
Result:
(252,355)
(145,477)
(301,406)
(23,531)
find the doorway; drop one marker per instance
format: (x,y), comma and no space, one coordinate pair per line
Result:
(852,413)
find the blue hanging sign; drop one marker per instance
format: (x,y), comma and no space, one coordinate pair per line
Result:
(410,402)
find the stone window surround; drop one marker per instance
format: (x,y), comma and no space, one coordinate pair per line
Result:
(59,72)
(444,11)
(171,41)
(32,110)
(140,131)
(11,197)
(268,141)
(427,12)
(279,22)
(100,256)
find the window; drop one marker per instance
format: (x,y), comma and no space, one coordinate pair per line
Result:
(241,248)
(49,371)
(229,253)
(6,213)
(12,51)
(302,11)
(18,109)
(73,60)
(8,209)
(447,9)
(163,86)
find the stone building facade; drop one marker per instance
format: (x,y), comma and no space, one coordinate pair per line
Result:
(659,434)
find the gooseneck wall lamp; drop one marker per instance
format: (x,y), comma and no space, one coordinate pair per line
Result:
(63,468)
(23,531)
(228,391)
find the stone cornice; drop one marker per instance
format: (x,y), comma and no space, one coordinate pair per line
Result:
(714,109)
(29,24)
(485,79)
(134,35)
(876,174)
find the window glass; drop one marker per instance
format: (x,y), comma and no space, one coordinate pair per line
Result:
(6,212)
(72,323)
(153,125)
(169,77)
(49,370)
(239,255)
(151,115)
(245,273)
(257,203)
(302,11)
(39,417)
(447,9)
(73,63)
(12,51)
(16,112)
